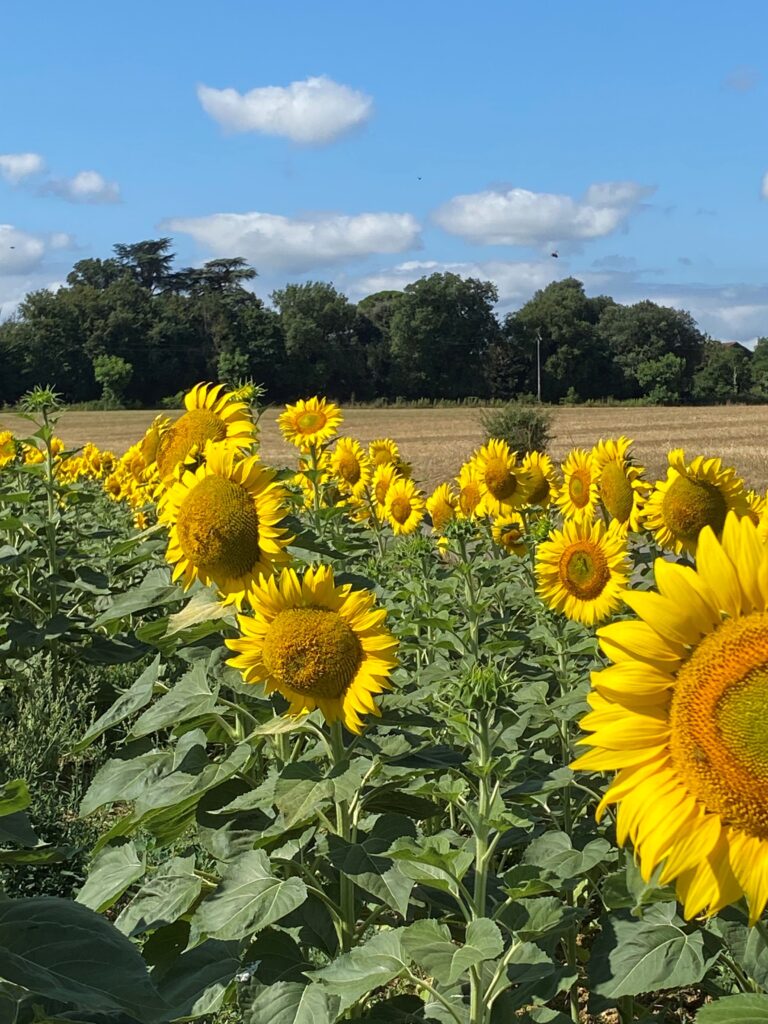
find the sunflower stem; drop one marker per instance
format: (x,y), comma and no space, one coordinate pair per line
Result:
(483,854)
(348,921)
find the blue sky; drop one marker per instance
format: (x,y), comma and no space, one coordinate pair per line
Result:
(370,143)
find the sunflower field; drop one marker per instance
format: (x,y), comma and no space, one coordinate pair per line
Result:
(304,744)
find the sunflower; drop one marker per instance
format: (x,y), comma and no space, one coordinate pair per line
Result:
(223,521)
(693,496)
(756,504)
(578,496)
(383,450)
(351,466)
(319,645)
(441,505)
(404,508)
(619,482)
(542,475)
(504,484)
(211,416)
(383,478)
(509,533)
(681,717)
(470,492)
(310,422)
(582,569)
(8,447)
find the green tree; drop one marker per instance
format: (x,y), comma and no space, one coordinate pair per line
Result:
(759,368)
(725,373)
(440,333)
(148,262)
(662,379)
(114,375)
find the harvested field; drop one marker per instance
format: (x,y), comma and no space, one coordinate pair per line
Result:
(437,441)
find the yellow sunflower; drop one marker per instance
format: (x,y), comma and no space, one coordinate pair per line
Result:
(509,533)
(470,492)
(224,524)
(441,505)
(504,484)
(694,495)
(350,465)
(681,717)
(310,422)
(579,495)
(383,478)
(383,450)
(756,504)
(620,483)
(542,475)
(319,645)
(404,508)
(211,416)
(582,569)
(7,447)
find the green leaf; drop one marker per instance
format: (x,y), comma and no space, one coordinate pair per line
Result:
(197,982)
(248,899)
(163,899)
(14,796)
(559,860)
(139,599)
(189,698)
(353,975)
(123,778)
(288,1002)
(15,828)
(656,952)
(278,957)
(110,874)
(203,607)
(741,1009)
(377,874)
(61,950)
(139,694)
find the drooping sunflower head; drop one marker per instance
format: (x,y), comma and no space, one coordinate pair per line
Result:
(470,501)
(404,508)
(383,478)
(695,494)
(310,422)
(8,447)
(211,415)
(509,533)
(441,505)
(351,466)
(224,524)
(504,483)
(620,483)
(319,645)
(542,476)
(582,569)
(681,717)
(579,495)
(150,443)
(382,451)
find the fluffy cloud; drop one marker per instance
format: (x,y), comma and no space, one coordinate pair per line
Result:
(19,251)
(15,167)
(85,187)
(520,217)
(316,110)
(272,242)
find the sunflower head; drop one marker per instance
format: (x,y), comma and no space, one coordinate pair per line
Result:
(211,416)
(8,447)
(695,494)
(505,485)
(582,569)
(350,466)
(441,505)
(224,524)
(756,505)
(383,451)
(542,477)
(579,495)
(404,508)
(318,644)
(509,533)
(619,482)
(383,478)
(310,422)
(470,499)
(681,716)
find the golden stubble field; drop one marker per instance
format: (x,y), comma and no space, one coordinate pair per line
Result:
(437,441)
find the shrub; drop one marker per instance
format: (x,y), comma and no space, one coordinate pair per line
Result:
(525,428)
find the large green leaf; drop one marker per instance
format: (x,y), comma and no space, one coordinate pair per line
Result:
(190,697)
(132,700)
(288,1002)
(430,945)
(61,950)
(377,874)
(110,874)
(124,777)
(742,1009)
(197,982)
(378,962)
(139,599)
(162,899)
(248,899)
(558,860)
(14,796)
(657,952)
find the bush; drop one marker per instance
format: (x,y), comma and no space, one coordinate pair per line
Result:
(525,428)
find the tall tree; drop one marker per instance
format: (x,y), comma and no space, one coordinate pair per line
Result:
(149,262)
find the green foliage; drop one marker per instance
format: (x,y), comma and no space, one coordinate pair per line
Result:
(114,375)
(525,428)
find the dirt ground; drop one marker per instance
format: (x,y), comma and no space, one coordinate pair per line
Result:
(437,441)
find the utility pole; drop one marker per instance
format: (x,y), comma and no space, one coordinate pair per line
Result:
(538,365)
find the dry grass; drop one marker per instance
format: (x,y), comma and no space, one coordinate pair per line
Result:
(437,441)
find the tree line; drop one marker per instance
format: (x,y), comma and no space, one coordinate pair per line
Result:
(132,329)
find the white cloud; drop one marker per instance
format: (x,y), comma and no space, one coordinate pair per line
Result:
(764,187)
(85,187)
(19,252)
(273,242)
(61,240)
(15,167)
(316,110)
(519,217)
